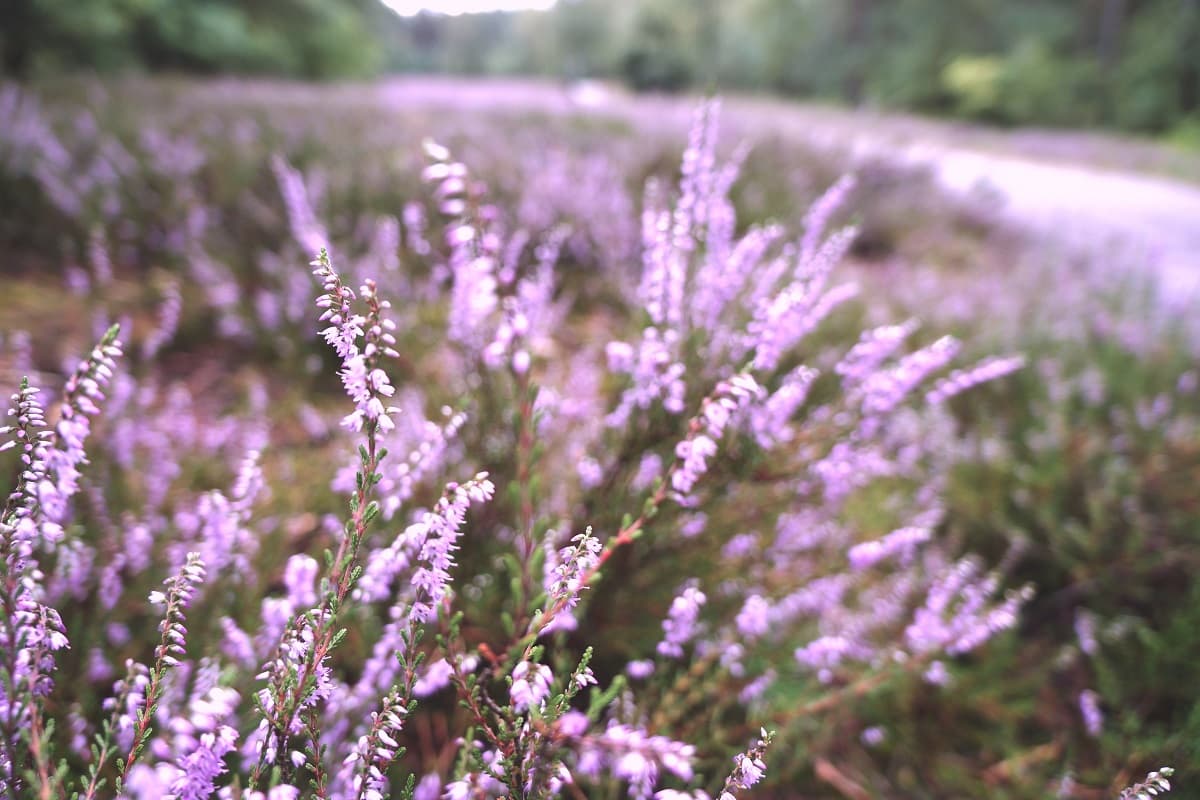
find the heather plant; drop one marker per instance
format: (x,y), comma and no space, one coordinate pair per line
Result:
(1086,459)
(714,359)
(536,539)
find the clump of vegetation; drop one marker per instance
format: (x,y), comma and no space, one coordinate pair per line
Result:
(557,491)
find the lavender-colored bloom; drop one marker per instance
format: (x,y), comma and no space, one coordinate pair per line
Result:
(1085,631)
(873,736)
(744,545)
(960,380)
(937,674)
(299,578)
(591,474)
(883,391)
(748,767)
(530,686)
(754,618)
(757,688)
(365,383)
(436,540)
(655,373)
(824,654)
(790,316)
(428,788)
(292,654)
(816,221)
(1089,709)
(565,572)
(873,348)
(308,232)
(200,768)
(649,468)
(375,751)
(175,600)
(693,453)
(81,398)
(769,421)
(635,756)
(900,544)
(680,626)
(435,678)
(958,614)
(216,526)
(168,321)
(35,631)
(693,525)
(640,670)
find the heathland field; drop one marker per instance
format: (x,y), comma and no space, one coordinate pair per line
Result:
(501,439)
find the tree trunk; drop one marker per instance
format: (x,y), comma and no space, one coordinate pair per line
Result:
(856,50)
(1112,26)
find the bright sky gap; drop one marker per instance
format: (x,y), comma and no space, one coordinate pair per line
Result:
(408,8)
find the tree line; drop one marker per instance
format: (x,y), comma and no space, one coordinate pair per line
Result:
(1129,64)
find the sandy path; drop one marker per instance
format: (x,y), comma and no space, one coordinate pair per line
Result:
(1099,209)
(1087,207)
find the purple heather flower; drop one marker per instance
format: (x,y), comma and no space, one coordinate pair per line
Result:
(365,769)
(1085,631)
(884,390)
(744,545)
(573,724)
(531,685)
(754,618)
(901,544)
(788,317)
(937,674)
(168,321)
(435,678)
(633,755)
(200,768)
(640,670)
(960,380)
(365,383)
(757,687)
(82,395)
(649,469)
(873,348)
(307,231)
(692,525)
(436,540)
(428,788)
(679,627)
(655,375)
(299,579)
(590,473)
(716,411)
(873,736)
(769,421)
(958,614)
(825,653)
(565,571)
(236,645)
(816,221)
(1089,709)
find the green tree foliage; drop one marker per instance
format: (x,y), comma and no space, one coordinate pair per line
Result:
(306,38)
(1125,63)
(1132,64)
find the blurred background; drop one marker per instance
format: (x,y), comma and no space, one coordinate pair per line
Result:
(1126,64)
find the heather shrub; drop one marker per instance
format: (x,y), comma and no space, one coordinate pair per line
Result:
(1085,460)
(568,501)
